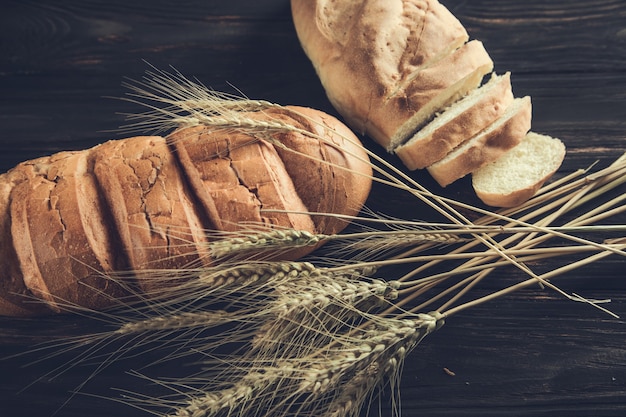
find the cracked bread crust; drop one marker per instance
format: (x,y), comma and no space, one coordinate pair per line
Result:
(58,195)
(336,165)
(242,177)
(14,293)
(150,204)
(144,203)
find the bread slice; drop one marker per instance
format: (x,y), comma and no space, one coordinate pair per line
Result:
(462,120)
(487,146)
(518,174)
(430,90)
(158,224)
(16,299)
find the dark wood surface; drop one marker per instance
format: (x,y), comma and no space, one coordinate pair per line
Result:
(530,354)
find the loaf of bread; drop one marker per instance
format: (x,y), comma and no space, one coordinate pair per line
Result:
(406,73)
(519,173)
(144,203)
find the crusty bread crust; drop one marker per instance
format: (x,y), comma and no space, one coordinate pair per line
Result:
(384,61)
(53,206)
(149,202)
(457,124)
(323,171)
(340,176)
(487,146)
(512,199)
(397,36)
(14,294)
(239,175)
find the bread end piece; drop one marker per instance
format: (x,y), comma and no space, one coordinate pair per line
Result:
(519,174)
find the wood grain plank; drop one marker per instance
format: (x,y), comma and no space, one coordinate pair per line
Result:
(531,354)
(543,36)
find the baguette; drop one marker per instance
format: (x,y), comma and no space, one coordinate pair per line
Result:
(487,146)
(519,174)
(142,203)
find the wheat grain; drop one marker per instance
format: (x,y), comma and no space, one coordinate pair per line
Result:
(270,241)
(231,398)
(307,313)
(180,321)
(205,286)
(314,380)
(187,102)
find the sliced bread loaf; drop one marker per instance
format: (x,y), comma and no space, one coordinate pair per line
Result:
(461,121)
(518,174)
(487,146)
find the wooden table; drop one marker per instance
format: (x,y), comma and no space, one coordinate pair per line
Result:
(530,354)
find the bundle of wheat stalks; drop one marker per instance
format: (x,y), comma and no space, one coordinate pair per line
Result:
(317,337)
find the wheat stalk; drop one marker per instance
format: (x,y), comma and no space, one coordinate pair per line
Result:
(271,241)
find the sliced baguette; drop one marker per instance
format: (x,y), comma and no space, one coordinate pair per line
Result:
(518,174)
(487,146)
(462,120)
